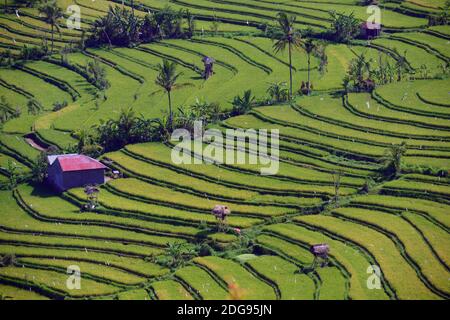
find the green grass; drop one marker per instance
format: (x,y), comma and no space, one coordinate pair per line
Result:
(292,285)
(170,290)
(415,246)
(118,203)
(97,270)
(351,258)
(436,237)
(404,95)
(164,195)
(397,271)
(363,103)
(433,209)
(333,286)
(56,281)
(232,273)
(19,146)
(202,283)
(20,294)
(137,294)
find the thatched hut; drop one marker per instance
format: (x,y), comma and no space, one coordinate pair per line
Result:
(370,30)
(221,212)
(320,250)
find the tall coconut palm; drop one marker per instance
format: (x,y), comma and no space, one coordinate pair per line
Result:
(310,46)
(52,13)
(167,79)
(289,38)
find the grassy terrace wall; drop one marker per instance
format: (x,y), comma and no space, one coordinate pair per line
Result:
(401,225)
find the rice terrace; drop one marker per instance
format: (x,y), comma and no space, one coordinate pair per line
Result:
(120,180)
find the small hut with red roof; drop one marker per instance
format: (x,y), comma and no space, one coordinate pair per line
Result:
(74,170)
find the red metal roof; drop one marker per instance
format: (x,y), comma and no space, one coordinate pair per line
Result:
(78,163)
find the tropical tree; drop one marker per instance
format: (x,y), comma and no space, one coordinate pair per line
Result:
(33,107)
(190,19)
(278,91)
(320,53)
(401,64)
(392,160)
(52,13)
(337,175)
(8,260)
(13,171)
(360,70)
(345,27)
(243,104)
(167,79)
(309,46)
(290,38)
(207,112)
(179,253)
(97,74)
(5,110)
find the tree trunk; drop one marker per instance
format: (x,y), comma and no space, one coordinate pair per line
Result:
(52,37)
(309,74)
(290,71)
(170,110)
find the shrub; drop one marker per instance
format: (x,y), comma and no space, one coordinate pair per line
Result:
(60,105)
(344,27)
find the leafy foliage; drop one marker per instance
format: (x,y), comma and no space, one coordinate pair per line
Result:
(244,104)
(344,27)
(290,38)
(392,161)
(120,27)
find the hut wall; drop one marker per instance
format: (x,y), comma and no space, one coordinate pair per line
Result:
(55,177)
(76,179)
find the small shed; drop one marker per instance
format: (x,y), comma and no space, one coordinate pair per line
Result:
(209,66)
(73,171)
(370,30)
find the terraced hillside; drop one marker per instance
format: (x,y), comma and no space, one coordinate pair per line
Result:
(125,247)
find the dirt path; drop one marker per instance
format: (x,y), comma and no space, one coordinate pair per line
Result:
(32,142)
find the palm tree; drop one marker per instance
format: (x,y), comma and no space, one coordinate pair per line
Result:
(277,91)
(33,106)
(167,79)
(393,160)
(13,172)
(243,104)
(52,13)
(289,38)
(190,19)
(401,64)
(310,46)
(175,252)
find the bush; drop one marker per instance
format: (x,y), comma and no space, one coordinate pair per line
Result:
(121,27)
(60,105)
(344,28)
(34,52)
